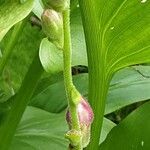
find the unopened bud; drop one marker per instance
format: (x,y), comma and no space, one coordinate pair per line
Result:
(86,116)
(58,5)
(52,25)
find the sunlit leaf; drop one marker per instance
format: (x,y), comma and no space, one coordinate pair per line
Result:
(117,35)
(38,8)
(12,12)
(125,32)
(22,54)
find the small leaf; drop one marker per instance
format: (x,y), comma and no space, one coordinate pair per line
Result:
(50,56)
(38,8)
(107,126)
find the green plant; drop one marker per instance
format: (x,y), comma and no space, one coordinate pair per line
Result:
(33,100)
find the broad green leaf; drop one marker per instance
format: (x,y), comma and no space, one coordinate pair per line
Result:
(52,59)
(132,133)
(39,129)
(117,35)
(125,87)
(125,81)
(22,55)
(125,32)
(47,98)
(12,12)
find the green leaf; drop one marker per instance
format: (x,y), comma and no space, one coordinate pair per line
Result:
(39,129)
(22,55)
(125,87)
(117,35)
(48,100)
(38,8)
(50,56)
(107,126)
(132,133)
(124,39)
(18,103)
(128,80)
(52,59)
(12,12)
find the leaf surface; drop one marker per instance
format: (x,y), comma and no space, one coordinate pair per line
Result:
(129,80)
(132,133)
(39,129)
(12,12)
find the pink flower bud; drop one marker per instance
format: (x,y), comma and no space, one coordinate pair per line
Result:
(52,25)
(86,116)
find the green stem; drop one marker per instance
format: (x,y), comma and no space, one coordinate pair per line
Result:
(11,44)
(18,104)
(72,94)
(98,83)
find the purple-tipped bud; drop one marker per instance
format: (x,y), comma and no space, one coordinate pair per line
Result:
(52,25)
(86,116)
(58,5)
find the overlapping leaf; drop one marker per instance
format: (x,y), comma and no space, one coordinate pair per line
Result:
(43,130)
(132,133)
(12,12)
(22,55)
(129,80)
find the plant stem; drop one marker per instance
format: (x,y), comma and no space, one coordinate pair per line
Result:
(18,104)
(72,94)
(98,82)
(11,44)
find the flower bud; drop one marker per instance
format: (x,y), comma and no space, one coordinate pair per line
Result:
(86,116)
(58,5)
(52,25)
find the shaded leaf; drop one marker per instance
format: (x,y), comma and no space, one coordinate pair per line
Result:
(124,90)
(47,98)
(125,87)
(107,126)
(132,133)
(39,129)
